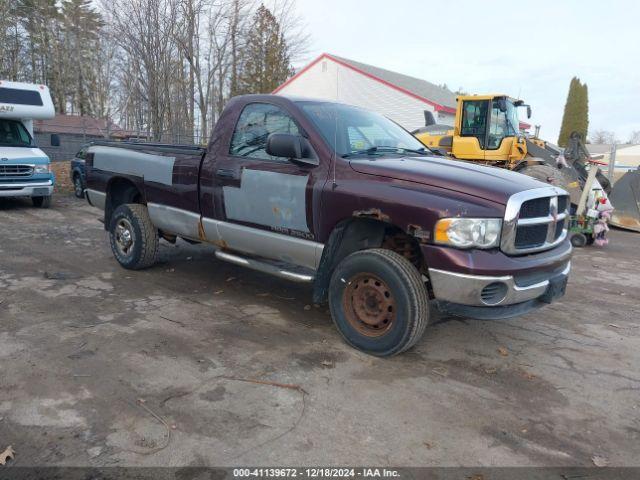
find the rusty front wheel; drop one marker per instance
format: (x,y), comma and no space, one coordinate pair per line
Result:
(378,302)
(369,305)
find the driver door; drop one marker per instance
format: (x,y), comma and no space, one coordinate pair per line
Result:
(471,143)
(264,202)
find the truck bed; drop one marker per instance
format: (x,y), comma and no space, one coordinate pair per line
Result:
(165,173)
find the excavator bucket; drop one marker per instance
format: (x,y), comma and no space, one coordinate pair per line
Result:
(625,198)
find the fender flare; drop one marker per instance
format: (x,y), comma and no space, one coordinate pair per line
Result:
(348,236)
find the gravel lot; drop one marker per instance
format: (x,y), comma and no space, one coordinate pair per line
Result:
(102,366)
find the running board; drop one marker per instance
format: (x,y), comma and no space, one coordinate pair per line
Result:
(265,267)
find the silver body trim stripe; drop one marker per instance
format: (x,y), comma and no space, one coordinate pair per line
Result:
(253,241)
(174,220)
(153,168)
(211,232)
(271,245)
(273,199)
(96,198)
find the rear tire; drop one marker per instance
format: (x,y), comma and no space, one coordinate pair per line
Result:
(78,190)
(41,202)
(378,302)
(133,238)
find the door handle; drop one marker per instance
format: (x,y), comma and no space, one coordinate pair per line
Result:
(225,173)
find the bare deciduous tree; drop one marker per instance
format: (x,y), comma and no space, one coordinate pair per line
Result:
(145,30)
(602,137)
(163,68)
(634,138)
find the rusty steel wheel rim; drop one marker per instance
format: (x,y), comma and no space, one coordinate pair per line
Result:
(369,305)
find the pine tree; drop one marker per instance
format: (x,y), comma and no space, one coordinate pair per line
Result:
(576,112)
(267,62)
(81,25)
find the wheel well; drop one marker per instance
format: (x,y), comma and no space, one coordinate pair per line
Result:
(360,234)
(404,244)
(119,192)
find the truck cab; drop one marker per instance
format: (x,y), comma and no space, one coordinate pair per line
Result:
(25,170)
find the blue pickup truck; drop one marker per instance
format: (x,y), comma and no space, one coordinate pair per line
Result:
(25,170)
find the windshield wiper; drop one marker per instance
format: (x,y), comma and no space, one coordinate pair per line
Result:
(384,148)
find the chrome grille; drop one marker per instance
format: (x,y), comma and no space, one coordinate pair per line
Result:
(16,170)
(538,207)
(529,236)
(535,220)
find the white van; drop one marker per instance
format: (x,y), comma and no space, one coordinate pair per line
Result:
(25,170)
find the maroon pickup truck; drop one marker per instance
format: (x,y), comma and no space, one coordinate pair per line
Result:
(345,199)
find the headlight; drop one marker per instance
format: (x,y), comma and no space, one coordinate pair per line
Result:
(469,232)
(42,168)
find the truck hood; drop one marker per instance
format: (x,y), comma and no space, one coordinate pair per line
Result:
(17,155)
(490,183)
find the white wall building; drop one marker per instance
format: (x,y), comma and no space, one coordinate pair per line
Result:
(399,97)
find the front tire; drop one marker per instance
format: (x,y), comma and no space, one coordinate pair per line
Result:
(378,302)
(133,238)
(41,202)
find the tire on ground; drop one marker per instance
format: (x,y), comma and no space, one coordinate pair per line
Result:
(78,191)
(579,240)
(41,202)
(144,247)
(547,174)
(406,288)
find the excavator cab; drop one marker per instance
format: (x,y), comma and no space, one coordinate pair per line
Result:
(486,129)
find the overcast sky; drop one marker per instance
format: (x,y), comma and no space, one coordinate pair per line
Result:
(528,48)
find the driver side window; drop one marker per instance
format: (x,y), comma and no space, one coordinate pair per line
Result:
(257,121)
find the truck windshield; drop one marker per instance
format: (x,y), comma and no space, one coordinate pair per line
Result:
(353,131)
(13,134)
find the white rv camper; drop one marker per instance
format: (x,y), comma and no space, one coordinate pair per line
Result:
(25,170)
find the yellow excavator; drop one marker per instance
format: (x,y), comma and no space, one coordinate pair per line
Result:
(487,130)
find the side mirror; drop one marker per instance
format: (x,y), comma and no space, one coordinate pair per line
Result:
(293,147)
(55,140)
(528,111)
(502,104)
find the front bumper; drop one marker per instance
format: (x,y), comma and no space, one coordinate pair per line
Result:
(486,291)
(26,189)
(503,293)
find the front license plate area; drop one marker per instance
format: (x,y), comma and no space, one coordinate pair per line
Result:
(556,289)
